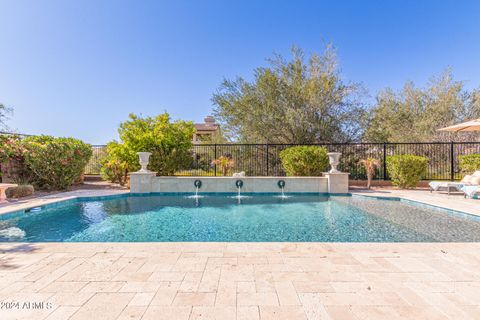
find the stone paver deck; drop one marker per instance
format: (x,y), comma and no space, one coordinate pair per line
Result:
(239,281)
(242,280)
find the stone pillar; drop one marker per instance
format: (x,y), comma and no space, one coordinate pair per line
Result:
(141,182)
(337,182)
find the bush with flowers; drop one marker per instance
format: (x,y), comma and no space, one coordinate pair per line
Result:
(47,162)
(12,160)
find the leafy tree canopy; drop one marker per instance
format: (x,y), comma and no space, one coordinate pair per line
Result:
(291,101)
(414,114)
(169,142)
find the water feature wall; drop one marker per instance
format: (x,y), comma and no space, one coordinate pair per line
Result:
(148,183)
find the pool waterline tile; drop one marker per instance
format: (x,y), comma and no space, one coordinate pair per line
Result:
(92,210)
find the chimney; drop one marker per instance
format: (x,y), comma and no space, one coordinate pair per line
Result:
(209,120)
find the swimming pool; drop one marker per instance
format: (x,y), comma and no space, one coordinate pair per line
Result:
(298,218)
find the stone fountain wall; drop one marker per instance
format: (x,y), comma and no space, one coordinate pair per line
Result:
(336,183)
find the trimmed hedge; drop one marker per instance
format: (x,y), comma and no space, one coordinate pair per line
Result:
(406,170)
(469,163)
(55,163)
(304,160)
(12,161)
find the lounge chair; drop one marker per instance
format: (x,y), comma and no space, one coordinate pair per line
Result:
(468,180)
(470,191)
(442,185)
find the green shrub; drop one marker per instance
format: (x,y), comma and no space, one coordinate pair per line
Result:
(114,167)
(55,163)
(169,142)
(21,191)
(12,160)
(304,160)
(195,172)
(406,170)
(469,163)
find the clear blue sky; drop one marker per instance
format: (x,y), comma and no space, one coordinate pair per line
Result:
(77,68)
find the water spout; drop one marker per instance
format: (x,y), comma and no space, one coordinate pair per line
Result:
(281,185)
(198,185)
(239,185)
(239,196)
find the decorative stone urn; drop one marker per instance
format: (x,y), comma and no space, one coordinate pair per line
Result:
(334,159)
(144,159)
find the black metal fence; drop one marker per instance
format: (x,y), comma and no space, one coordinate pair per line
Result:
(95,164)
(264,159)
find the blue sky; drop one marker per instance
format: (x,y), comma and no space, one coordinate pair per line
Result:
(77,68)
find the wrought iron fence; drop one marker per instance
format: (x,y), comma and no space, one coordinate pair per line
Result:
(95,164)
(264,159)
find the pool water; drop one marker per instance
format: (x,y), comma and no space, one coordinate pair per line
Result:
(302,218)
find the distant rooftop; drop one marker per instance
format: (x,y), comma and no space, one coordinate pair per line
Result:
(208,125)
(206,130)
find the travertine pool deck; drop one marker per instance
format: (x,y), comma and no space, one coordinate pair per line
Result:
(240,281)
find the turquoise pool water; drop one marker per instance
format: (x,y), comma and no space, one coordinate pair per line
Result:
(223,218)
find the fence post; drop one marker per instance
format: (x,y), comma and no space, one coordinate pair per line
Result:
(384,161)
(452,163)
(215,158)
(268,162)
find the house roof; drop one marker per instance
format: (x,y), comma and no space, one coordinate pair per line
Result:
(209,125)
(206,126)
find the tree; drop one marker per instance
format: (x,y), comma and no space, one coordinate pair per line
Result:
(295,101)
(225,163)
(169,142)
(370,165)
(4,111)
(414,114)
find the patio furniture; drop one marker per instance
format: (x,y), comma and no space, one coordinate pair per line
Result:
(468,180)
(471,187)
(470,191)
(3,187)
(442,185)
